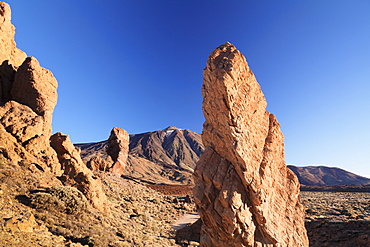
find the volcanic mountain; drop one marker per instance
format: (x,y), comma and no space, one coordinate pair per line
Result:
(165,156)
(323,175)
(169,156)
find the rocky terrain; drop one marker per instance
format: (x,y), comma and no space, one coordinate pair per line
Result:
(166,156)
(33,216)
(130,189)
(337,218)
(161,158)
(332,219)
(48,196)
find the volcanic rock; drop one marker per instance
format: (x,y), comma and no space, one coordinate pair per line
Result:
(76,174)
(245,194)
(10,56)
(98,163)
(25,135)
(24,223)
(164,156)
(171,147)
(36,87)
(27,99)
(118,146)
(8,50)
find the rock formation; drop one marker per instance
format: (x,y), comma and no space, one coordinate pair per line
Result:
(97,163)
(8,50)
(76,174)
(245,194)
(164,156)
(27,99)
(118,145)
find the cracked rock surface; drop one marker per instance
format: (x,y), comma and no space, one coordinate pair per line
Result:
(245,194)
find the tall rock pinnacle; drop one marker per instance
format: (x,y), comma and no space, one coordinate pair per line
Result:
(8,50)
(245,194)
(118,147)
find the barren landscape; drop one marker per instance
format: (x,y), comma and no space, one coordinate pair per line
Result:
(147,189)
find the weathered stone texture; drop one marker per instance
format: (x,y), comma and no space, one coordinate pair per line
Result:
(76,174)
(8,49)
(244,192)
(27,99)
(118,148)
(36,87)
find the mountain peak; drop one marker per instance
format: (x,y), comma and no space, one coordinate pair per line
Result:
(171,128)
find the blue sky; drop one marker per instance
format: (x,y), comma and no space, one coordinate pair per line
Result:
(138,65)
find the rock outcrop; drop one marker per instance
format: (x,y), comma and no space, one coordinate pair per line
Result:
(36,87)
(164,156)
(8,50)
(27,99)
(76,174)
(245,194)
(118,147)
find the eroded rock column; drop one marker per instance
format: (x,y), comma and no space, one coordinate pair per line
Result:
(245,194)
(118,147)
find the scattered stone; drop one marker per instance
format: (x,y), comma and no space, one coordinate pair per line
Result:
(24,222)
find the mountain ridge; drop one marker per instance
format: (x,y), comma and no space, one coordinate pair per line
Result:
(165,156)
(324,175)
(169,156)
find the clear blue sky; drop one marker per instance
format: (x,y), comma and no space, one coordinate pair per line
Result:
(138,65)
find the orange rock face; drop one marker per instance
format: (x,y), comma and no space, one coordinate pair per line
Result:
(76,174)
(8,50)
(244,192)
(118,147)
(36,87)
(27,99)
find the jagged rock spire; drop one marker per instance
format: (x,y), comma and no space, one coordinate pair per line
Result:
(244,192)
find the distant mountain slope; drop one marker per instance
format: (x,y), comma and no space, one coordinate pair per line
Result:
(164,156)
(322,175)
(170,147)
(90,150)
(170,155)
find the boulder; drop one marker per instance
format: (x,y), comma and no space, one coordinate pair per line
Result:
(245,194)
(36,87)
